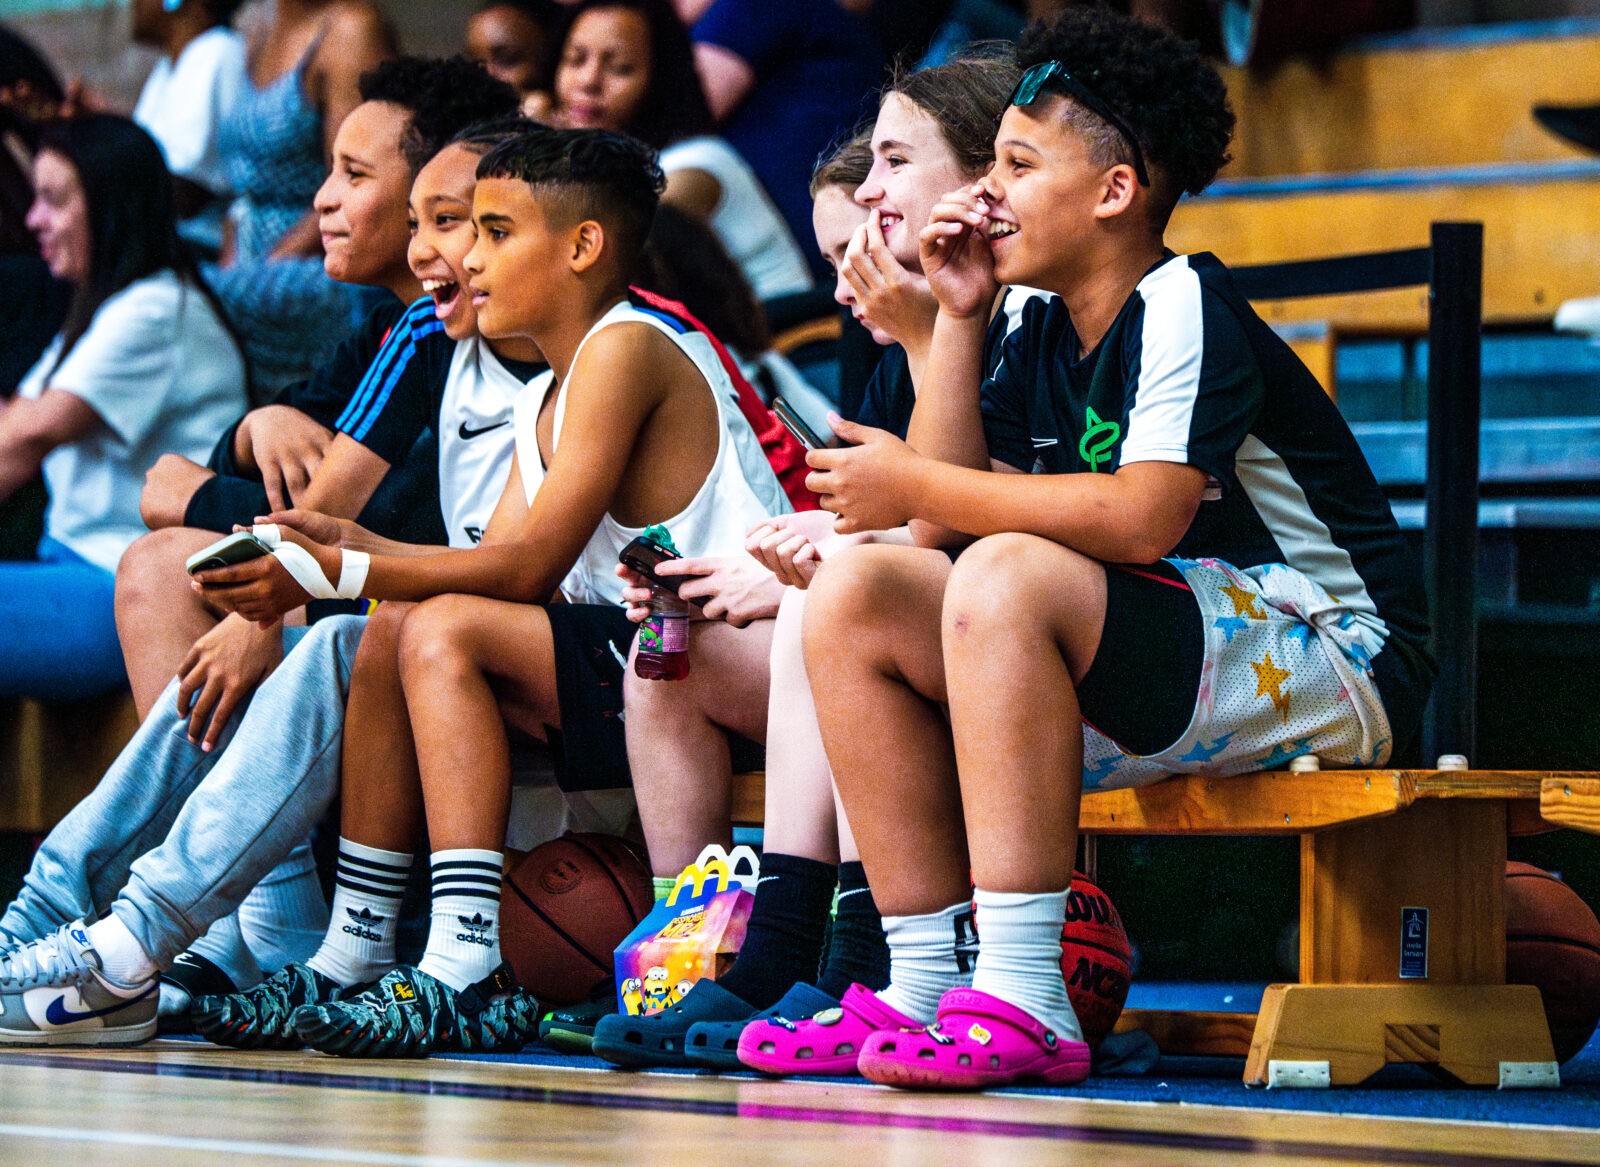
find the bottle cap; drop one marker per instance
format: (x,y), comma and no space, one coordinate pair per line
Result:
(658,533)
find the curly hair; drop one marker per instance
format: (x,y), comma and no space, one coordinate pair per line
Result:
(588,174)
(442,96)
(1160,85)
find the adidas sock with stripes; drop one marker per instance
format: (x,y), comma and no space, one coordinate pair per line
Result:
(1020,961)
(929,955)
(464,938)
(359,946)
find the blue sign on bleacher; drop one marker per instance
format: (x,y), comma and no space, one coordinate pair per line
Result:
(1413,943)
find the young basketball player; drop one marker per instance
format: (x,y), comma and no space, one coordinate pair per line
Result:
(636,424)
(1159,595)
(242,804)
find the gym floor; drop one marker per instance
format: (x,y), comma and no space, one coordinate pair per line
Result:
(178,1102)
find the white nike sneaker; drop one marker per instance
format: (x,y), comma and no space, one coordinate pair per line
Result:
(52,992)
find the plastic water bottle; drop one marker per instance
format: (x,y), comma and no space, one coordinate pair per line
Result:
(664,634)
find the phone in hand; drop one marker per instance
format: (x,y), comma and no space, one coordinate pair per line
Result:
(797,425)
(239,547)
(644,554)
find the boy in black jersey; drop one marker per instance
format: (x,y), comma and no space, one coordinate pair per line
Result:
(1199,573)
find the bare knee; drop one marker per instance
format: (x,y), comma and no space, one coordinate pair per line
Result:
(379,652)
(856,588)
(1016,584)
(151,570)
(436,636)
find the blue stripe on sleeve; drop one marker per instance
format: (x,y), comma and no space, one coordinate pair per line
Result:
(398,345)
(407,352)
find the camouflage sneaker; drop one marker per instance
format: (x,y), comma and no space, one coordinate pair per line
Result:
(409,1014)
(263,1017)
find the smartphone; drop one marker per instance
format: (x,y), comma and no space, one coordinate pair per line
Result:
(796,425)
(644,554)
(239,547)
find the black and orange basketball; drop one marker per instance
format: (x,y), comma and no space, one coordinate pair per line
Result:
(567,904)
(1095,958)
(1553,942)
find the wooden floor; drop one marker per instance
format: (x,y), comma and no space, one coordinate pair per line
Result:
(179,1103)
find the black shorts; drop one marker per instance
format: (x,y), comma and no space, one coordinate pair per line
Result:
(590,750)
(1141,689)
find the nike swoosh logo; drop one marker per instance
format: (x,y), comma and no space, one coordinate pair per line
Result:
(57,1013)
(1041,443)
(468,434)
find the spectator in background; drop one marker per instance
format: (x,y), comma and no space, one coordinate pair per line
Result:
(192,90)
(784,81)
(37,302)
(628,65)
(305,65)
(144,364)
(518,41)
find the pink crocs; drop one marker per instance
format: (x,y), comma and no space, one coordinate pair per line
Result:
(828,1043)
(978,1041)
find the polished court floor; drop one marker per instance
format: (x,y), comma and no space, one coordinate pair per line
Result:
(175,1103)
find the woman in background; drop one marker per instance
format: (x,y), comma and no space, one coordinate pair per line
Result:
(305,67)
(144,364)
(627,65)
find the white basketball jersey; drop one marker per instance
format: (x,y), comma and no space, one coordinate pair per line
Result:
(476,439)
(739,492)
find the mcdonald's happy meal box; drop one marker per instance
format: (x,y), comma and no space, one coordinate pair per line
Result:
(693,934)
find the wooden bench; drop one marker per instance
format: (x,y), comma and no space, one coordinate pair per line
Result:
(1379,849)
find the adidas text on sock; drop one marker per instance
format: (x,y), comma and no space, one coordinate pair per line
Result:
(368,887)
(464,934)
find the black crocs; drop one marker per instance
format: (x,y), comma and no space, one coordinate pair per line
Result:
(715,1044)
(658,1040)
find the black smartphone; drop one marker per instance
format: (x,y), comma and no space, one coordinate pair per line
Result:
(796,425)
(239,547)
(643,554)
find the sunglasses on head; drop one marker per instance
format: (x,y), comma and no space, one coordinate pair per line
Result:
(1054,72)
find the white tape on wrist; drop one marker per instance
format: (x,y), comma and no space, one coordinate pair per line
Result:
(303,566)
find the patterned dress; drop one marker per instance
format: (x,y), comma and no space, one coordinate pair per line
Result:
(289,313)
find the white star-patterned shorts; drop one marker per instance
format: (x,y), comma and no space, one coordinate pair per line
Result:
(1287,672)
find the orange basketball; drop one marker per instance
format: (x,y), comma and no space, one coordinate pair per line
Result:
(1553,942)
(1095,958)
(567,905)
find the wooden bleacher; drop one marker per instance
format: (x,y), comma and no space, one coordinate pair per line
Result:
(1360,152)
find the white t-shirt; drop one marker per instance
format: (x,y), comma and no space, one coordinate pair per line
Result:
(738,493)
(164,376)
(745,219)
(184,101)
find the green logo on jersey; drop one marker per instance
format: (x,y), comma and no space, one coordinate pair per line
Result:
(1099,438)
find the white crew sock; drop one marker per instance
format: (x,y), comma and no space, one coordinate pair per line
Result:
(464,935)
(1020,961)
(359,946)
(928,956)
(122,958)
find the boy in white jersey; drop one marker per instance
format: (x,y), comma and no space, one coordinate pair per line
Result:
(1182,562)
(636,424)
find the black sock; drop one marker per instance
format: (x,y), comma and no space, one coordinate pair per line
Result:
(783,941)
(857,951)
